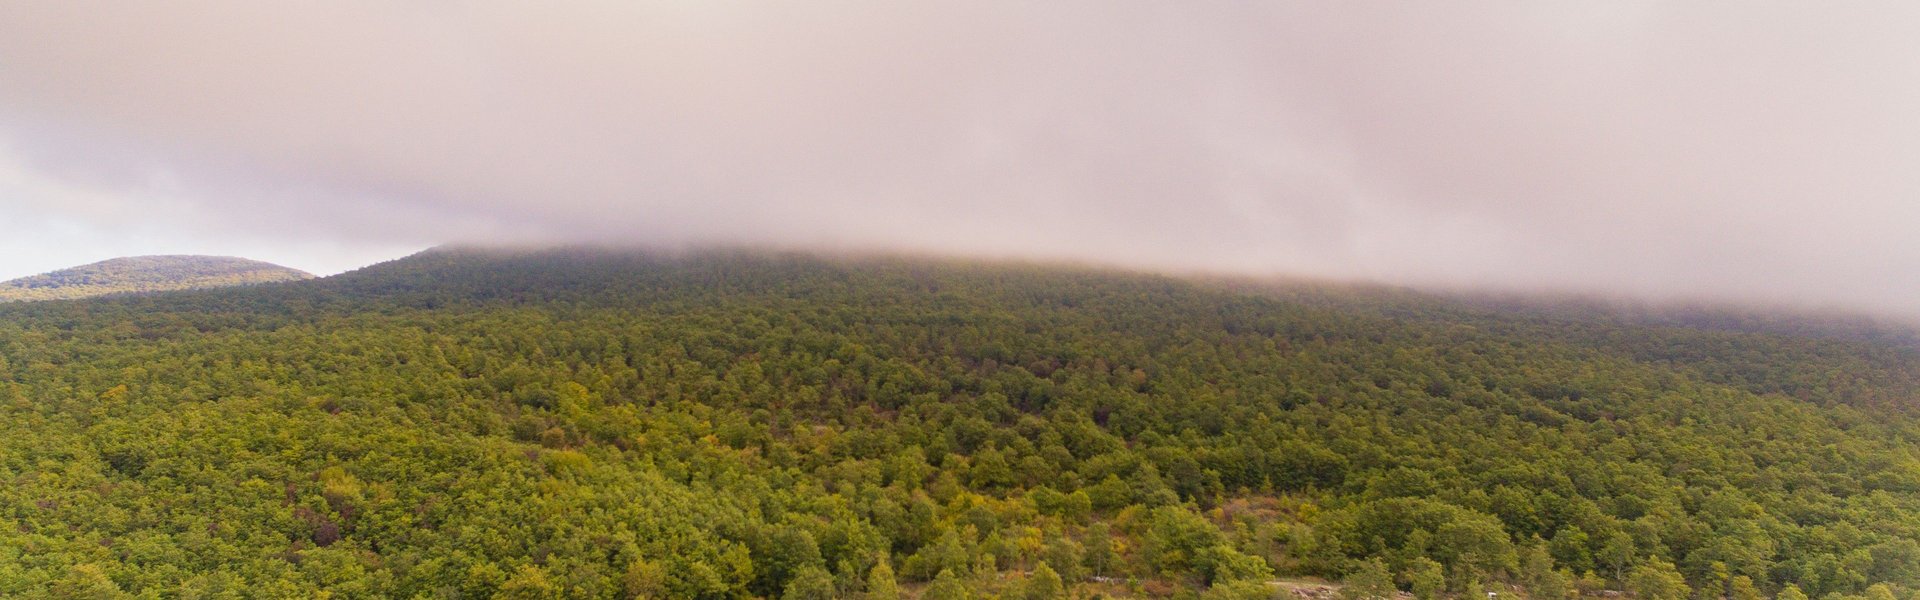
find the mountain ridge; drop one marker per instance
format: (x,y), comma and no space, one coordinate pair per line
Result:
(146,274)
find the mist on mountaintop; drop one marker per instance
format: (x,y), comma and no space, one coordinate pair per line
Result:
(1760,155)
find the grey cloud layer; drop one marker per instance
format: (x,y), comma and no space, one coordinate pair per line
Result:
(1717,150)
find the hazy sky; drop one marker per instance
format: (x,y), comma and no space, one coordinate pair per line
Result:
(1747,150)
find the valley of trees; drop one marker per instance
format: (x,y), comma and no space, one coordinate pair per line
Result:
(734,424)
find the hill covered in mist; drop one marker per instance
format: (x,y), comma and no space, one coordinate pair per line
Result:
(143,274)
(724,424)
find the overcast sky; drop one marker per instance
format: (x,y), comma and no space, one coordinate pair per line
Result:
(1754,151)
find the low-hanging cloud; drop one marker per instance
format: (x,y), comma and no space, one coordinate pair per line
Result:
(1748,152)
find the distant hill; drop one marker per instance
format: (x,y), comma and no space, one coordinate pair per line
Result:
(141,274)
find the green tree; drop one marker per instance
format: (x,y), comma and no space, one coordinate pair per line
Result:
(1062,550)
(781,558)
(645,579)
(1477,544)
(1369,581)
(1099,557)
(1570,549)
(990,470)
(1176,539)
(1044,584)
(1791,592)
(528,583)
(811,583)
(1222,563)
(946,586)
(1657,579)
(1538,575)
(1742,588)
(1426,578)
(1239,590)
(881,584)
(946,553)
(1618,554)
(85,582)
(1472,589)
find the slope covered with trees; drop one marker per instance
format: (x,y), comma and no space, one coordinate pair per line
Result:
(141,274)
(596,424)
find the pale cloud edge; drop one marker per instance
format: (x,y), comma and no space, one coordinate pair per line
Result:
(1766,154)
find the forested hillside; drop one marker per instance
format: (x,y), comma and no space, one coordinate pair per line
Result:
(140,274)
(597,424)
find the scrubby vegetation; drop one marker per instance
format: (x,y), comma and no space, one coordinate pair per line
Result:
(734,424)
(142,274)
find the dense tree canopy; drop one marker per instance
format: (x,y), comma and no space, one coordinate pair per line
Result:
(737,424)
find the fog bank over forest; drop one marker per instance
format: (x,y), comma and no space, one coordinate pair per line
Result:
(1765,155)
